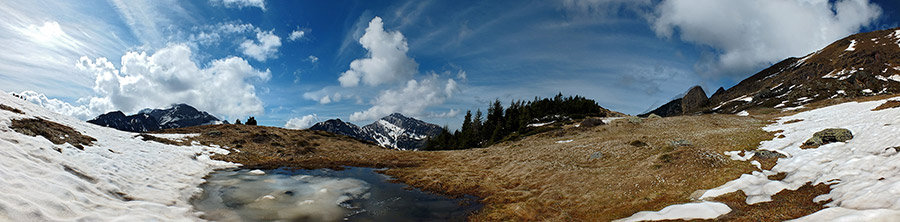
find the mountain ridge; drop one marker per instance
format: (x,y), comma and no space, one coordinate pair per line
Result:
(394,131)
(175,116)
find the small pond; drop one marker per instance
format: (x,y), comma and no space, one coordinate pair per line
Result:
(352,194)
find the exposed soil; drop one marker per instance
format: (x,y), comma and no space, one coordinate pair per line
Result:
(55,132)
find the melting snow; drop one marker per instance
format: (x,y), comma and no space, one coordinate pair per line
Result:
(96,184)
(540,124)
(867,91)
(862,172)
(564,141)
(689,211)
(743,113)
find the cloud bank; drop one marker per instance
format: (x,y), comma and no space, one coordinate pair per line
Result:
(746,35)
(412,99)
(240,4)
(302,123)
(170,76)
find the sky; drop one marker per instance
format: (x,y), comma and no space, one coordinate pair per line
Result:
(293,63)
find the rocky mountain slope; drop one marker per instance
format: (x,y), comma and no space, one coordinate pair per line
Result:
(859,65)
(176,116)
(393,131)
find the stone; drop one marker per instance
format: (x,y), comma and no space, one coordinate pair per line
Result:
(592,122)
(827,136)
(596,155)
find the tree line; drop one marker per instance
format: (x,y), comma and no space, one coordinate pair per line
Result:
(512,122)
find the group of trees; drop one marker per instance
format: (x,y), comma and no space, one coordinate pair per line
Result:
(511,123)
(250,121)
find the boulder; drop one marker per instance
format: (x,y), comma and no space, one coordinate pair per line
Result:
(827,136)
(592,122)
(596,155)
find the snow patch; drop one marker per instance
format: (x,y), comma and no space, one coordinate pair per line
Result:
(540,124)
(688,211)
(852,46)
(564,141)
(743,113)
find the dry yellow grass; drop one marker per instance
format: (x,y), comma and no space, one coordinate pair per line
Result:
(536,178)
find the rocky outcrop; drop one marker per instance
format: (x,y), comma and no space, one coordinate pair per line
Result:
(694,100)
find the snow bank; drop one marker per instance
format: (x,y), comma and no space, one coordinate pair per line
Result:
(689,211)
(119,178)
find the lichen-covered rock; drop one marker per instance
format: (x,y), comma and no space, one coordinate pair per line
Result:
(827,136)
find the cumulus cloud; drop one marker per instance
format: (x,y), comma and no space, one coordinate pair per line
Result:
(302,123)
(265,46)
(296,34)
(745,35)
(312,59)
(412,99)
(261,4)
(170,76)
(58,106)
(386,60)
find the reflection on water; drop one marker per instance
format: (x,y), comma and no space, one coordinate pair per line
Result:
(353,194)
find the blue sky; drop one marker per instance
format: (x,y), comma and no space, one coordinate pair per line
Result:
(292,63)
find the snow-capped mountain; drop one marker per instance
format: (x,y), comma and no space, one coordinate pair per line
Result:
(176,116)
(393,131)
(859,65)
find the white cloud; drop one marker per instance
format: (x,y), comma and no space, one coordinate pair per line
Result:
(261,4)
(313,59)
(265,46)
(449,114)
(213,34)
(386,61)
(55,105)
(602,8)
(748,34)
(302,123)
(296,34)
(170,76)
(412,99)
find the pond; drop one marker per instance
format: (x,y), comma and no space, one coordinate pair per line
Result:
(352,194)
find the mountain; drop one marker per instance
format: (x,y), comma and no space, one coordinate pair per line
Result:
(176,116)
(693,100)
(337,126)
(859,65)
(394,131)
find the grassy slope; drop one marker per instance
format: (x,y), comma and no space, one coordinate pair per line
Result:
(535,178)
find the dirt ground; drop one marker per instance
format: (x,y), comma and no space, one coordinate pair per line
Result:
(547,177)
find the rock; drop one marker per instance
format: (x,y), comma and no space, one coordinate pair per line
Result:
(635,119)
(827,136)
(654,116)
(637,143)
(592,122)
(719,92)
(767,154)
(694,100)
(681,143)
(596,155)
(214,133)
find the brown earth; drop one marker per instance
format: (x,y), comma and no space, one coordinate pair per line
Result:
(52,131)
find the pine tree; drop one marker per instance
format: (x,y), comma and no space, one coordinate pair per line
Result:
(251,121)
(237,122)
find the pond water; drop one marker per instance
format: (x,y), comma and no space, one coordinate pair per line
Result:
(352,194)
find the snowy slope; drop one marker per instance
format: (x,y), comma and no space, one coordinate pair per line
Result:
(864,172)
(122,177)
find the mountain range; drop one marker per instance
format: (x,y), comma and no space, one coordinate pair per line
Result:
(394,131)
(864,64)
(175,116)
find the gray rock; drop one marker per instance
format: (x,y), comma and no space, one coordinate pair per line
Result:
(766,154)
(596,155)
(827,136)
(681,143)
(693,100)
(635,119)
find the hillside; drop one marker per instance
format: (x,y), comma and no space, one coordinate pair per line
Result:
(859,65)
